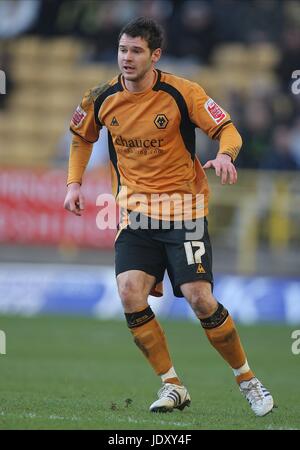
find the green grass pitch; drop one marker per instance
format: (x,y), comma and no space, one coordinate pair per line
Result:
(78,373)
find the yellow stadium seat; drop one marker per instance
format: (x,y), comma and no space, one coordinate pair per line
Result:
(231,55)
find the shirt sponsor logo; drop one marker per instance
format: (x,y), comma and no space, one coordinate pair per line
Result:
(78,116)
(215,111)
(138,143)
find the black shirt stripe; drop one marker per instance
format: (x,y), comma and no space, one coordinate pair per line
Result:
(187,128)
(99,100)
(220,128)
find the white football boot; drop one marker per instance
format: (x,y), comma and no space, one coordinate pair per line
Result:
(171,396)
(259,398)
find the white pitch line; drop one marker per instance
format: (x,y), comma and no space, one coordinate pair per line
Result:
(162,422)
(33,415)
(270,427)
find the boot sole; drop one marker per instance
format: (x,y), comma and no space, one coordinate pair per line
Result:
(164,409)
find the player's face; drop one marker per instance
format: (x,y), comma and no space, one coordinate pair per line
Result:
(135,58)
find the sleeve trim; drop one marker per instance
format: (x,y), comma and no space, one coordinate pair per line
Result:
(220,128)
(85,140)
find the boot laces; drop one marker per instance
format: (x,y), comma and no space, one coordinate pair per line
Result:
(254,392)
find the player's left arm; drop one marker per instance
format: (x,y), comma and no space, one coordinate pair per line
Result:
(206,114)
(230,145)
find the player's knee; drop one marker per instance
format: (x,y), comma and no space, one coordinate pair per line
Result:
(202,300)
(127,291)
(130,295)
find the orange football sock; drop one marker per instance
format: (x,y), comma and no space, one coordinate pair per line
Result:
(150,338)
(226,341)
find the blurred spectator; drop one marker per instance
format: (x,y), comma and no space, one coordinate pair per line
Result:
(193,35)
(46,24)
(160,10)
(247,20)
(256,133)
(17,16)
(110,18)
(290,56)
(279,155)
(295,141)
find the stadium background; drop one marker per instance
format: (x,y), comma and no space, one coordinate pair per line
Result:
(52,263)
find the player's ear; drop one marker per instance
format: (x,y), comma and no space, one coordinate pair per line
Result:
(156,55)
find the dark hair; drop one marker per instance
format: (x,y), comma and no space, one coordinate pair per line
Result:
(147,29)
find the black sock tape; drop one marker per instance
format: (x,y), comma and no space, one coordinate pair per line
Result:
(136,319)
(216,319)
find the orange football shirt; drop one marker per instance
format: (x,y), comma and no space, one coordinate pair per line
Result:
(152,142)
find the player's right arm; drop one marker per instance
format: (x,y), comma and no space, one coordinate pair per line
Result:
(74,201)
(85,132)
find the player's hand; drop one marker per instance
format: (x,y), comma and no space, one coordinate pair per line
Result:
(224,168)
(74,201)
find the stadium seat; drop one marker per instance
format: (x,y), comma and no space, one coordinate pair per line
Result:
(264,56)
(231,55)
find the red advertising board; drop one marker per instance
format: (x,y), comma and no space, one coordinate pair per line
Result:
(32,212)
